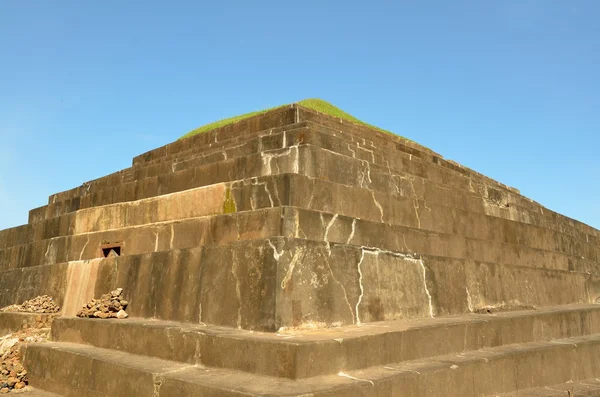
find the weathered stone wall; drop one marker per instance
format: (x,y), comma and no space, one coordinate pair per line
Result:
(296,219)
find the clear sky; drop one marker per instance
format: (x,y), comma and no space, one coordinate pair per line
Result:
(509,88)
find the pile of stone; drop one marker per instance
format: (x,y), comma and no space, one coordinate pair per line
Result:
(111,305)
(12,374)
(40,304)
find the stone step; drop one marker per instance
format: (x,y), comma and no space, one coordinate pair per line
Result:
(244,167)
(266,284)
(380,182)
(273,119)
(400,211)
(297,354)
(570,388)
(264,141)
(11,321)
(79,370)
(294,114)
(146,238)
(511,248)
(370,138)
(392,160)
(345,144)
(489,245)
(394,155)
(393,210)
(377,178)
(271,138)
(78,247)
(289,222)
(16,235)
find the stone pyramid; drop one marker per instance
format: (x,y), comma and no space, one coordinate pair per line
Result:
(294,253)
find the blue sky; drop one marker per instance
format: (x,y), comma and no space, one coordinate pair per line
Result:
(510,88)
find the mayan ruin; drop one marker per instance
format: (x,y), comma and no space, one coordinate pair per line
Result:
(295,252)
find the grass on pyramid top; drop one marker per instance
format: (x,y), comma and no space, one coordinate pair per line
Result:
(315,104)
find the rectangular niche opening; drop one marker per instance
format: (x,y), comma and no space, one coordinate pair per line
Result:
(111,250)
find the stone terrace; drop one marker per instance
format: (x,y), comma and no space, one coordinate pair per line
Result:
(297,254)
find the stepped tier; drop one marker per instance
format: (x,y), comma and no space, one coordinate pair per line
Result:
(427,358)
(296,253)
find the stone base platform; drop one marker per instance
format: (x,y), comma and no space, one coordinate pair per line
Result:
(468,355)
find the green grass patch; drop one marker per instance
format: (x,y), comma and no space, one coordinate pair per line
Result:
(315,104)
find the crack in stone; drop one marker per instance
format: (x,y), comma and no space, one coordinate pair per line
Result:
(366,173)
(276,193)
(368,151)
(425,286)
(469,301)
(378,205)
(276,254)
(296,223)
(408,257)
(331,222)
(352,232)
(297,160)
(368,167)
(290,271)
(83,249)
(264,184)
(351,150)
(268,157)
(157,384)
(172,236)
(47,249)
(411,181)
(362,290)
(298,229)
(416,206)
(238,290)
(343,288)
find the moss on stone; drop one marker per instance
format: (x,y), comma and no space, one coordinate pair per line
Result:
(229,204)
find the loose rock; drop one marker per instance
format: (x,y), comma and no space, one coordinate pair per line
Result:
(12,374)
(39,304)
(111,305)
